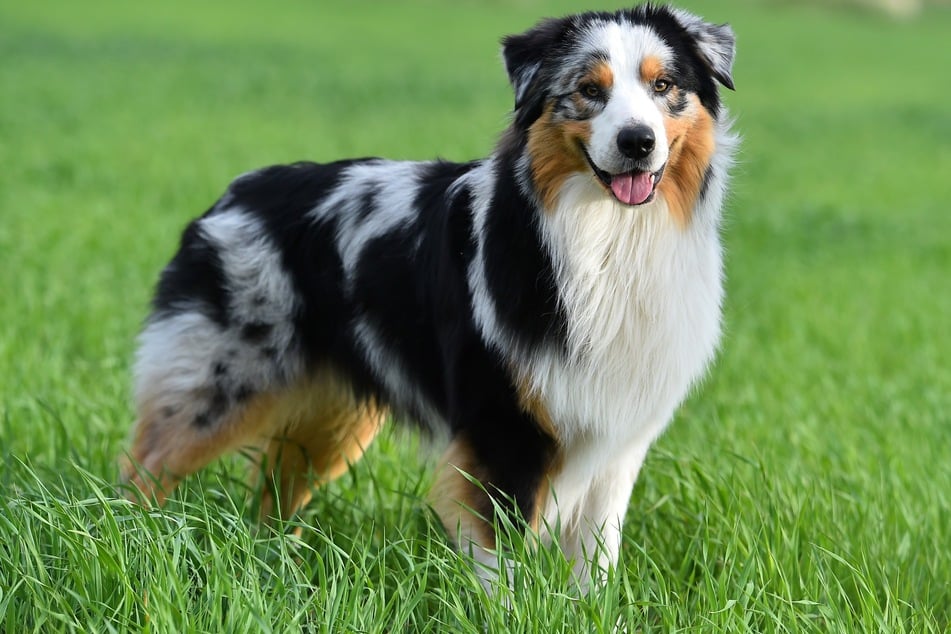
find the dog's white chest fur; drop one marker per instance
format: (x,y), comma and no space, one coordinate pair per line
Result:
(642,297)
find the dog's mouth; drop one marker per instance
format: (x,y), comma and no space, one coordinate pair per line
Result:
(629,188)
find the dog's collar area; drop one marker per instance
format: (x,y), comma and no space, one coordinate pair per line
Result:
(628,188)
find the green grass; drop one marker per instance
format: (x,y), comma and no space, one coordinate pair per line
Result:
(806,487)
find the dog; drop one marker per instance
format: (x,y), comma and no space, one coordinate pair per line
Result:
(549,306)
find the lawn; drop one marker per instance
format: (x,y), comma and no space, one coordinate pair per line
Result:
(805,487)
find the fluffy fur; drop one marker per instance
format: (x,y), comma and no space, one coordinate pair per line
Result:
(549,306)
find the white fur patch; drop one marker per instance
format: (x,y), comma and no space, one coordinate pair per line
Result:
(393,185)
(259,286)
(481,182)
(630,102)
(643,303)
(171,363)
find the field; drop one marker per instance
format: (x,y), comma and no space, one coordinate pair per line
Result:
(805,487)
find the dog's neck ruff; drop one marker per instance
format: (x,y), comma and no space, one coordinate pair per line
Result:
(631,281)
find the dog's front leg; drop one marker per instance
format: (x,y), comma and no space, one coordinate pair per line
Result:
(477,480)
(591,517)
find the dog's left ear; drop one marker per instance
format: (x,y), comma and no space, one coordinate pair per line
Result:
(525,58)
(716,44)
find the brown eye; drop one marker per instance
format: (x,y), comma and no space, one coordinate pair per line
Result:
(592,91)
(662,86)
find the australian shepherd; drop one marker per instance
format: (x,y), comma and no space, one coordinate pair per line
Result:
(549,306)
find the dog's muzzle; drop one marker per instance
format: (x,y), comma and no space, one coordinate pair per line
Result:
(635,187)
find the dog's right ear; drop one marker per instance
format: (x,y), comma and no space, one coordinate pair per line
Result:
(716,44)
(525,58)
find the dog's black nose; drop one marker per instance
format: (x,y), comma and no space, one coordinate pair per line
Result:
(636,142)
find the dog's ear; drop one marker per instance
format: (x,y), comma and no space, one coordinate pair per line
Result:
(525,58)
(716,44)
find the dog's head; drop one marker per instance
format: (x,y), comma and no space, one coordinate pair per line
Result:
(629,97)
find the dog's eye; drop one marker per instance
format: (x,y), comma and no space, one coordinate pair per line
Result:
(662,86)
(592,92)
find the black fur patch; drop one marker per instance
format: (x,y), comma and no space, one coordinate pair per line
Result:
(518,268)
(194,279)
(256,331)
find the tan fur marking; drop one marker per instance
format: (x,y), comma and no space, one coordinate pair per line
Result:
(530,401)
(315,425)
(165,449)
(543,494)
(325,430)
(555,154)
(651,68)
(458,502)
(692,144)
(601,74)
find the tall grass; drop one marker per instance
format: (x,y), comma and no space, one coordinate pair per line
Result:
(805,487)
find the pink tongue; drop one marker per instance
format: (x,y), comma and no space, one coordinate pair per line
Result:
(632,188)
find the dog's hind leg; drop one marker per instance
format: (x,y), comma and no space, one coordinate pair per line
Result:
(219,352)
(172,441)
(200,392)
(322,430)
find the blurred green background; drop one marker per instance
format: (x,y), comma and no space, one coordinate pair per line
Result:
(818,450)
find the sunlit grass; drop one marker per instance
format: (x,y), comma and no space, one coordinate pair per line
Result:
(805,487)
